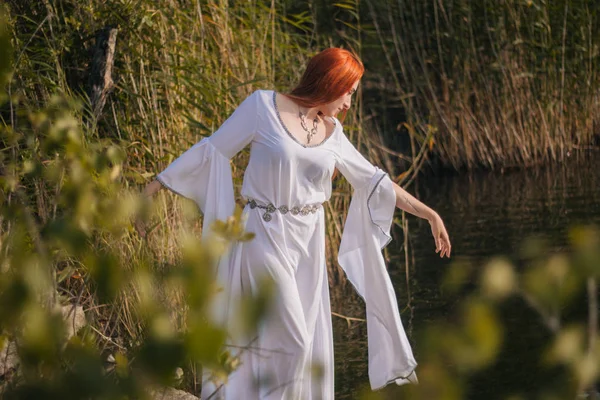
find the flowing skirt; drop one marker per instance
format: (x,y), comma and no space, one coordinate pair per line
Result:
(292,355)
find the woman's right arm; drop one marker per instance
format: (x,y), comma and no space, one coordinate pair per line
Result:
(203,173)
(150,190)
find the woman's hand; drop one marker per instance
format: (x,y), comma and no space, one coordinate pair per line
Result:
(140,227)
(146,198)
(442,241)
(405,201)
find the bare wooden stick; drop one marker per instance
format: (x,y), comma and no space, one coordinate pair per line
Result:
(101,83)
(348,319)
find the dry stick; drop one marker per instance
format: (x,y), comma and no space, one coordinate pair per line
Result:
(101,82)
(406,262)
(414,168)
(552,322)
(419,163)
(5,370)
(546,129)
(438,36)
(348,319)
(389,151)
(334,219)
(108,339)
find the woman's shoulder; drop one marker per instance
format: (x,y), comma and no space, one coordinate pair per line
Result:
(338,124)
(262,94)
(260,98)
(338,130)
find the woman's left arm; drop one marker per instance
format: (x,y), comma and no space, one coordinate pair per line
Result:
(405,201)
(359,172)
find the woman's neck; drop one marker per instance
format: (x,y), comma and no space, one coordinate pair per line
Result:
(311,113)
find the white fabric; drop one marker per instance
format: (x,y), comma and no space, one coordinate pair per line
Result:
(366,232)
(290,249)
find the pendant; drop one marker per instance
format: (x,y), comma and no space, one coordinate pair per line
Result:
(313,131)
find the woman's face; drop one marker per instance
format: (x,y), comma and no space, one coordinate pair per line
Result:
(337,106)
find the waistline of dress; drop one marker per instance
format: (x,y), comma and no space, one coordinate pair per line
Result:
(284,209)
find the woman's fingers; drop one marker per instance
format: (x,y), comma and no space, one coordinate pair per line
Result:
(140,228)
(439,245)
(442,241)
(443,244)
(447,246)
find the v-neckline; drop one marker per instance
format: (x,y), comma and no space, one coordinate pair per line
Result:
(306,146)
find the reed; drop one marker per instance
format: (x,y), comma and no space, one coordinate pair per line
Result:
(503,83)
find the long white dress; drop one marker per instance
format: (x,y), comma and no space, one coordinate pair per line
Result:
(289,247)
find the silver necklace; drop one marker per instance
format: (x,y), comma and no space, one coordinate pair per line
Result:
(309,132)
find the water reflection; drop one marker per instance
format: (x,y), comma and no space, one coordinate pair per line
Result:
(486,213)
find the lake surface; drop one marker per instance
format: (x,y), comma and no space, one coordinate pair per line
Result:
(486,214)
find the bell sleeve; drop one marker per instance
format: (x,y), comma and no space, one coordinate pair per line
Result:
(366,232)
(203,174)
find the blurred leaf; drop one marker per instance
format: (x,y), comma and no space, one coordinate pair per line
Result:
(478,341)
(205,342)
(457,276)
(255,308)
(107,275)
(568,345)
(586,242)
(498,279)
(160,357)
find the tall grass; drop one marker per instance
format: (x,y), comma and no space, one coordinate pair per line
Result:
(507,83)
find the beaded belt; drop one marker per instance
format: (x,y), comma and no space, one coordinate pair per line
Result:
(270,209)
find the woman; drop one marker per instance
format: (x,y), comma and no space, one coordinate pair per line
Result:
(296,144)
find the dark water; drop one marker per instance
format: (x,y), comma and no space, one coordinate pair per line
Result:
(486,214)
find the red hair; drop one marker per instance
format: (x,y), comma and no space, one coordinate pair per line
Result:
(328,76)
